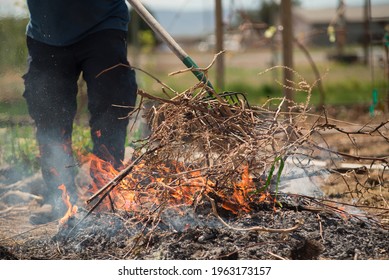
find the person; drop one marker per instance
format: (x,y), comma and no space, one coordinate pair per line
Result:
(65,39)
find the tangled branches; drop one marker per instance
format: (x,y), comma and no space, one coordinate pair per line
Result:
(206,146)
(221,137)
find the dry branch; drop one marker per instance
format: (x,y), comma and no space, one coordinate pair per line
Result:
(208,147)
(255,228)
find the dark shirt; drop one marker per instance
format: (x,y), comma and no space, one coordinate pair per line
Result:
(64,22)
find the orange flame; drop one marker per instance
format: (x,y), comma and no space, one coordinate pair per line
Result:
(71,209)
(172,184)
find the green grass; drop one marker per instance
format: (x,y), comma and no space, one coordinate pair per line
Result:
(18,148)
(16,107)
(351,93)
(13,51)
(343,85)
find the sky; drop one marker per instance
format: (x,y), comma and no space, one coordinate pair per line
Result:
(17,7)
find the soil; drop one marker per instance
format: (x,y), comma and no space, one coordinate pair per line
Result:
(355,232)
(106,236)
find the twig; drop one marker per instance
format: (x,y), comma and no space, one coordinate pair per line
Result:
(320,227)
(276,256)
(255,228)
(152,97)
(138,238)
(133,67)
(315,70)
(384,159)
(383,198)
(27,231)
(198,69)
(105,191)
(115,181)
(6,211)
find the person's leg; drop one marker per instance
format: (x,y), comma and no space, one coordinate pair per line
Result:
(50,92)
(118,86)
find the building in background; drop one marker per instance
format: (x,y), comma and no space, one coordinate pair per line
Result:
(313,24)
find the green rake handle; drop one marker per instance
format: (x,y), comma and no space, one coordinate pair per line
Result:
(172,44)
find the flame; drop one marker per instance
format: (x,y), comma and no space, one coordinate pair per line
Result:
(242,189)
(171,184)
(71,209)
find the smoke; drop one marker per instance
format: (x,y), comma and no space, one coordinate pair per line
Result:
(304,176)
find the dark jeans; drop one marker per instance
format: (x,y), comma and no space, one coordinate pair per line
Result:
(51,90)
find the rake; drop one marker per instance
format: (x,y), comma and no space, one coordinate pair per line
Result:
(232,98)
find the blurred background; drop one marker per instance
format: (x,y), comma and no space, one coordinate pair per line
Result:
(340,46)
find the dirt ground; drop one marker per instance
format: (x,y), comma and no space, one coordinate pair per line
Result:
(105,236)
(357,228)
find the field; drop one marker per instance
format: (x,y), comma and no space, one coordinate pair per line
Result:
(345,86)
(352,224)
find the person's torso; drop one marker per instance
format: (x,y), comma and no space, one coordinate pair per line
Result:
(64,22)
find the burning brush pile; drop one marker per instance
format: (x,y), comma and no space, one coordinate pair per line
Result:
(207,149)
(208,183)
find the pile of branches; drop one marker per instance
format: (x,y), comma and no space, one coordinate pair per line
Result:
(219,137)
(220,147)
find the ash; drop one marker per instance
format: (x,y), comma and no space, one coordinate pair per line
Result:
(192,236)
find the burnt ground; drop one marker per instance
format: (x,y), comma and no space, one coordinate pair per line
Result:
(324,233)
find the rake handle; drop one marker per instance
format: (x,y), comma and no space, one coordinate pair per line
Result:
(165,36)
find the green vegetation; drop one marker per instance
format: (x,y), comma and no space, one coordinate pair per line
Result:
(349,93)
(81,140)
(13,51)
(14,108)
(342,84)
(18,148)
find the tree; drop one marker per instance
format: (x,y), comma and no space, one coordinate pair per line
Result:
(138,27)
(287,48)
(269,10)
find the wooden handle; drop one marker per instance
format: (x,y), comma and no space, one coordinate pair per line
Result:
(158,29)
(172,44)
